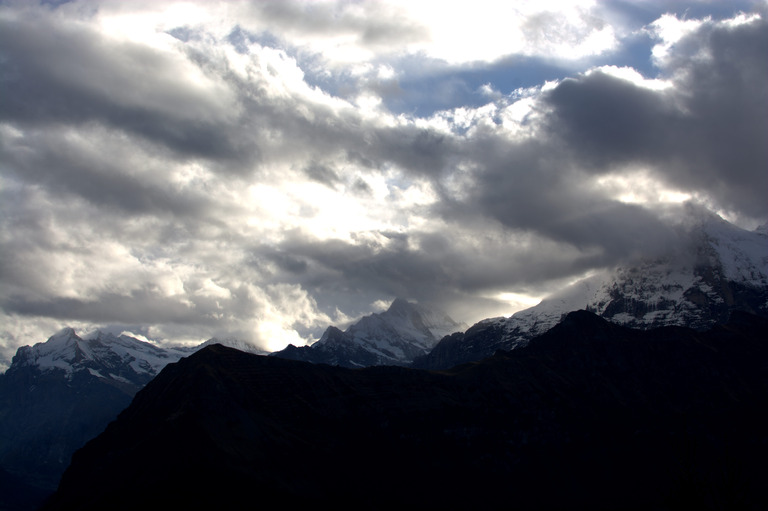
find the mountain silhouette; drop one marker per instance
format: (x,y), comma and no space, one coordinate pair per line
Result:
(590,415)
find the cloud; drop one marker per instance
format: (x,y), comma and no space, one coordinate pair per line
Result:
(704,134)
(70,71)
(233,169)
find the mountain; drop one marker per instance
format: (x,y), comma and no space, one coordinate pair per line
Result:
(721,268)
(230,342)
(58,394)
(394,337)
(591,415)
(121,360)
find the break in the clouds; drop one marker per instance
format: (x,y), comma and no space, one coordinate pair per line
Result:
(265,169)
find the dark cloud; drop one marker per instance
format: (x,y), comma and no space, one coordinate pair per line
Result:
(727,101)
(69,73)
(705,135)
(100,171)
(609,121)
(322,174)
(458,268)
(138,307)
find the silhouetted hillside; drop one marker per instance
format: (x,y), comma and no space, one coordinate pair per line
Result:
(590,415)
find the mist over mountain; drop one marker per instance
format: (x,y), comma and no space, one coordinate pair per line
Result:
(397,336)
(716,268)
(591,415)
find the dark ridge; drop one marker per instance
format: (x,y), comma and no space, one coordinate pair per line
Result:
(589,416)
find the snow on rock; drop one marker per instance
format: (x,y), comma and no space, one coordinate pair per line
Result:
(723,267)
(394,337)
(106,356)
(717,268)
(118,357)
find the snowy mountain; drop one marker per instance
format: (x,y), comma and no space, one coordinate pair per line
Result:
(58,394)
(720,268)
(120,359)
(394,337)
(591,415)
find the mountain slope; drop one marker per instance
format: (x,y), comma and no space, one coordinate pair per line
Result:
(59,394)
(395,337)
(721,268)
(589,416)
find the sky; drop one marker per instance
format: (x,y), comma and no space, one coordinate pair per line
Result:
(262,170)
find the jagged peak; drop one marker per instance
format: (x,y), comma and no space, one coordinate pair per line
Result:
(331,335)
(65,333)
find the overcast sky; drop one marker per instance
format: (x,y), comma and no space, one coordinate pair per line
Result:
(262,170)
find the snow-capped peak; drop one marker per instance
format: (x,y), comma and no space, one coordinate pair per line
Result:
(396,336)
(724,265)
(60,340)
(102,354)
(742,255)
(105,355)
(61,350)
(717,268)
(413,319)
(404,321)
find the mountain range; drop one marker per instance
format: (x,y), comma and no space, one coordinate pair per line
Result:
(590,415)
(719,268)
(59,394)
(397,336)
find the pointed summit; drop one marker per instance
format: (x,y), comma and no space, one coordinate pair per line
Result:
(63,335)
(67,331)
(394,337)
